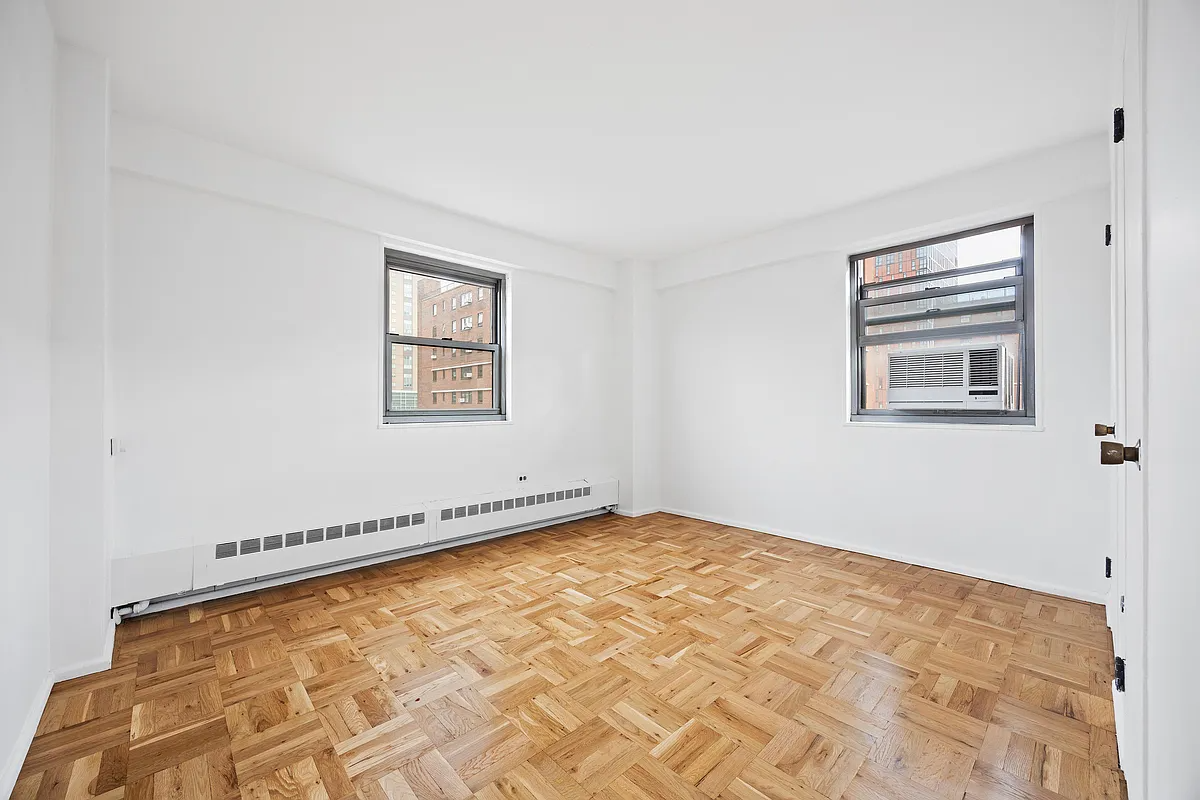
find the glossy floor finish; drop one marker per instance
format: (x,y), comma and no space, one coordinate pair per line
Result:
(658,657)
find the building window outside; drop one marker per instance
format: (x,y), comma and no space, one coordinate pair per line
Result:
(951,341)
(428,284)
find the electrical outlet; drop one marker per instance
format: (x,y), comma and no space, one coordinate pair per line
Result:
(522,478)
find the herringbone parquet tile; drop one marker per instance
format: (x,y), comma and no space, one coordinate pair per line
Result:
(658,657)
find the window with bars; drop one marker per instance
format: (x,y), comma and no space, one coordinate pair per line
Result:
(437,283)
(972,294)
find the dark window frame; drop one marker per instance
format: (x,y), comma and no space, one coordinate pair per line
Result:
(436,268)
(1023,325)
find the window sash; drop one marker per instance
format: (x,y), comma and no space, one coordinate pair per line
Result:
(926,277)
(859,264)
(479,279)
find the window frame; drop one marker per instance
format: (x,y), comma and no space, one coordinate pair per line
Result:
(1023,326)
(427,266)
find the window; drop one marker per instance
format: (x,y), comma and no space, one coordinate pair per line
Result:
(439,283)
(953,342)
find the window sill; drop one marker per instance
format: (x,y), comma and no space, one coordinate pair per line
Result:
(448,423)
(945,426)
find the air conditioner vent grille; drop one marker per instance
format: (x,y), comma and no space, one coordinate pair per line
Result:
(226,550)
(920,370)
(984,367)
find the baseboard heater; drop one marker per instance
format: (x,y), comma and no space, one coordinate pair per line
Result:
(246,564)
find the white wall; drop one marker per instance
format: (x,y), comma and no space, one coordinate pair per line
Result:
(635,392)
(765,444)
(245,362)
(80,465)
(1172,84)
(27,54)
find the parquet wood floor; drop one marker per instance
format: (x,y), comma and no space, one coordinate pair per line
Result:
(658,657)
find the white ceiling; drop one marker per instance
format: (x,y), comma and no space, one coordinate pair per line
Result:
(634,128)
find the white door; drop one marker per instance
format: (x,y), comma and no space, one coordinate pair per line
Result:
(1126,604)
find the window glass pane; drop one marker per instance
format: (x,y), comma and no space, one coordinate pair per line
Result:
(418,315)
(969,251)
(967,308)
(884,290)
(941,323)
(428,384)
(934,377)
(964,301)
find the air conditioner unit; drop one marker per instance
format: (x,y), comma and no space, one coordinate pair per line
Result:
(972,377)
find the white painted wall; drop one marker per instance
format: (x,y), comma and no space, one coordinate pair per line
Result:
(1172,82)
(635,392)
(181,158)
(80,467)
(765,443)
(27,54)
(245,359)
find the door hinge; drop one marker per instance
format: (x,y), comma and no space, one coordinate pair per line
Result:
(1119,674)
(1118,124)
(1107,567)
(1122,604)
(1108,235)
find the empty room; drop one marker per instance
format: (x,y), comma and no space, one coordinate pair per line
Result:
(558,401)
